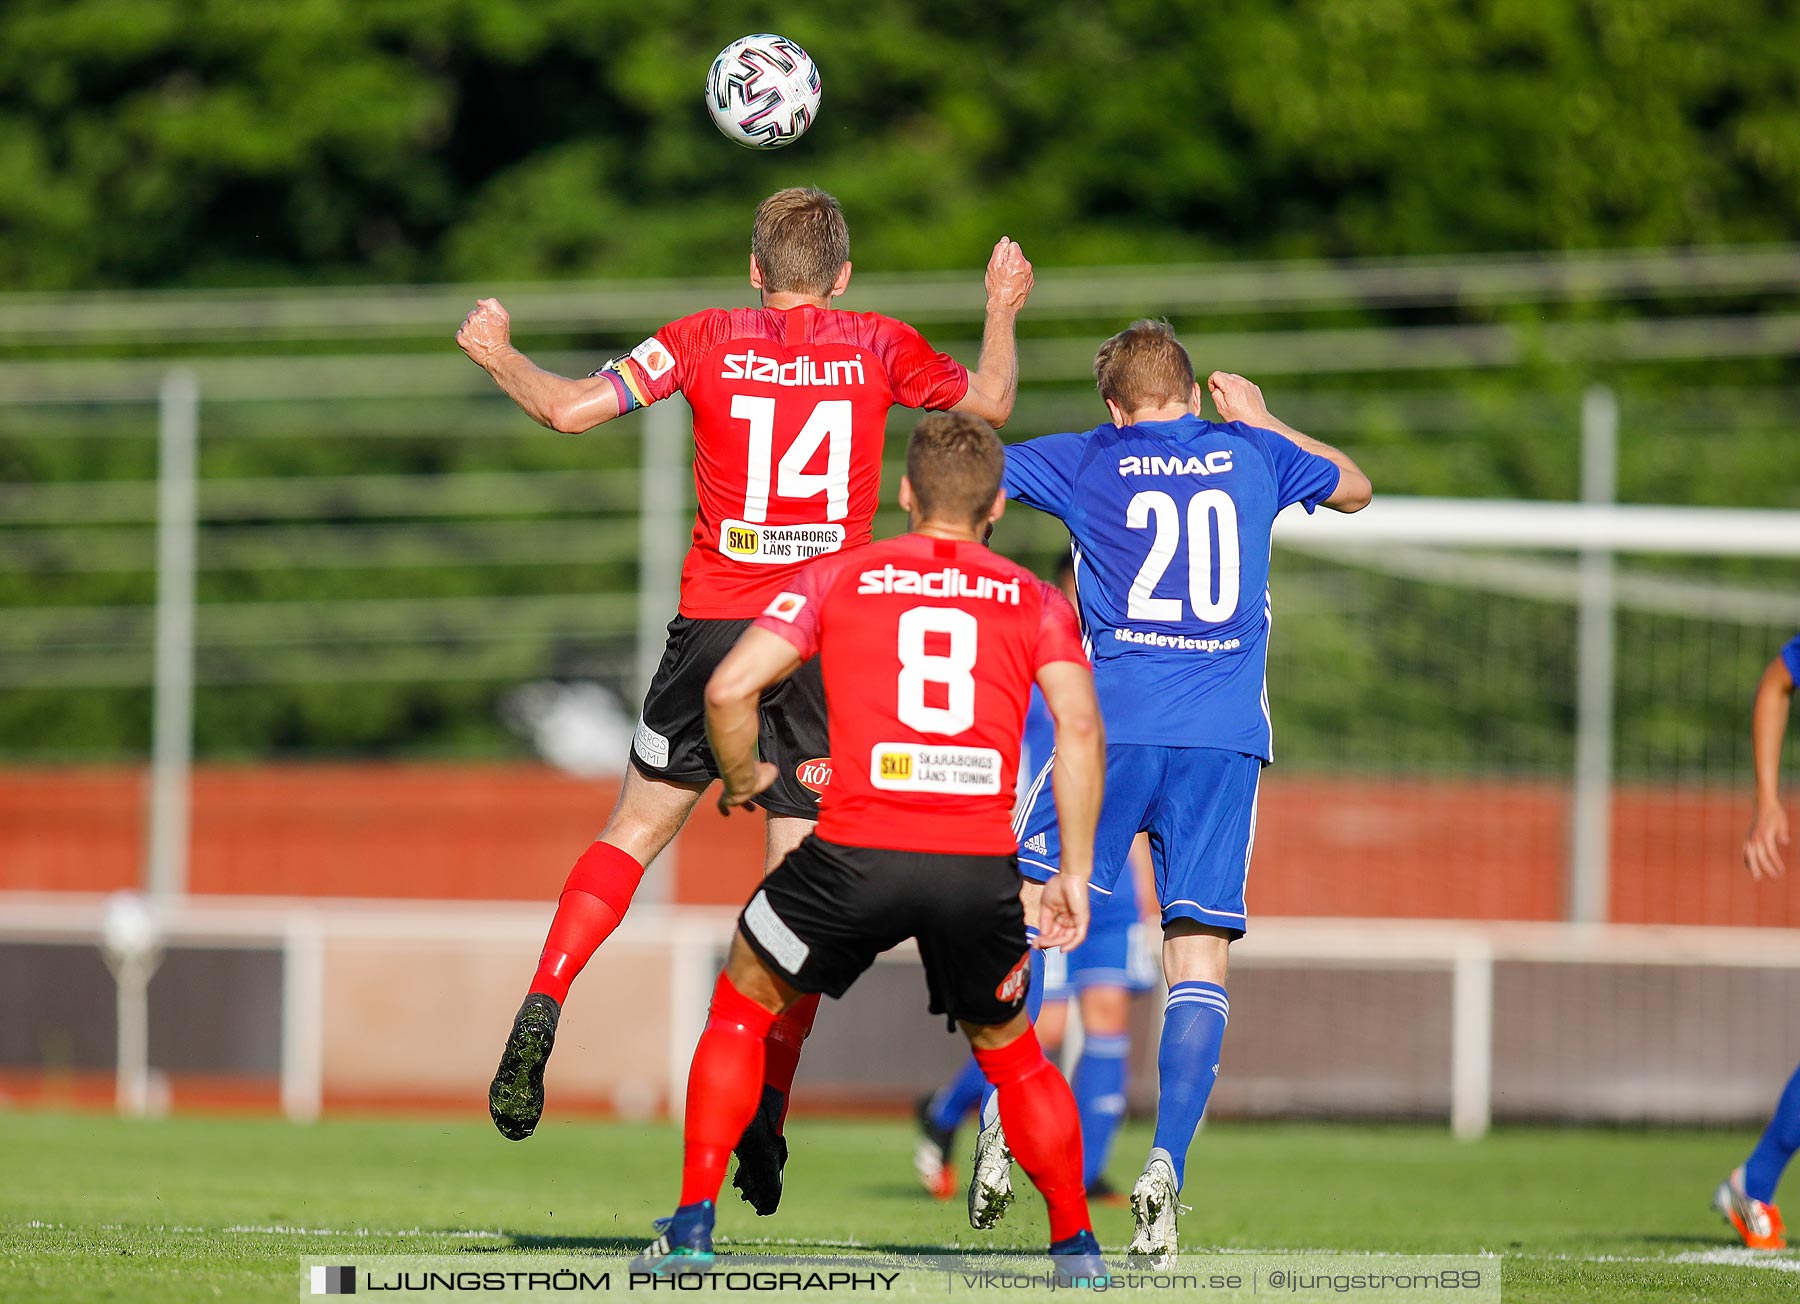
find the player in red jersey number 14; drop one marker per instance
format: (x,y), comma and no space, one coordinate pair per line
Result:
(929,646)
(790,403)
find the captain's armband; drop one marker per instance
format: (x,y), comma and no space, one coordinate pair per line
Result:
(624,384)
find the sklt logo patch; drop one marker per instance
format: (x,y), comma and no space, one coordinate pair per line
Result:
(926,767)
(816,773)
(743,543)
(1012,987)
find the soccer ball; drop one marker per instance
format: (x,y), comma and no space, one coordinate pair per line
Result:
(763,91)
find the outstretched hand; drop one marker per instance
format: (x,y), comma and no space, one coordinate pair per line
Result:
(485,331)
(1009,276)
(1762,846)
(762,778)
(1238,399)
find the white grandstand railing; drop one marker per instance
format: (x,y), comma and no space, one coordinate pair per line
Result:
(300,930)
(413,311)
(267,498)
(1370,349)
(455,637)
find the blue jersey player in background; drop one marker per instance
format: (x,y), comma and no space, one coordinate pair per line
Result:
(1747,1195)
(1171,516)
(1100,976)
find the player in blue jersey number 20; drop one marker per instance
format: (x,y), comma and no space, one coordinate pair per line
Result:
(1171,517)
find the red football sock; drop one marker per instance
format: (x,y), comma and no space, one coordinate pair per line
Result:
(724,1086)
(782,1056)
(1043,1128)
(593,902)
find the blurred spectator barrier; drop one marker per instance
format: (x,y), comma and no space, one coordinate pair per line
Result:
(316,1005)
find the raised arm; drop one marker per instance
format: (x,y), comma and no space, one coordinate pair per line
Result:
(733,694)
(994,383)
(1768,726)
(1239,399)
(558,402)
(1079,778)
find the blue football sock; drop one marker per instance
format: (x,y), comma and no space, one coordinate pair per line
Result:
(1034,1005)
(1762,1171)
(954,1101)
(1100,1095)
(1187,1065)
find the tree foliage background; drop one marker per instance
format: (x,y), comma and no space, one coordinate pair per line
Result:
(191,143)
(184,142)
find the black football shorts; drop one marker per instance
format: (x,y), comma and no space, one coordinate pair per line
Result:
(671,734)
(826,912)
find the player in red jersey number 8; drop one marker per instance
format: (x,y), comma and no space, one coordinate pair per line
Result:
(929,645)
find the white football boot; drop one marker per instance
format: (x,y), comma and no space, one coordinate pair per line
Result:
(1155,1202)
(990,1184)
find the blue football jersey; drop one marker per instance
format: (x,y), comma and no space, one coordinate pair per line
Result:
(1171,523)
(1790,657)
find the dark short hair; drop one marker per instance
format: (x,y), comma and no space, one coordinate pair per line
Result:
(800,241)
(954,461)
(1143,366)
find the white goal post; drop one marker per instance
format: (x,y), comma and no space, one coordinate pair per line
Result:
(1579,527)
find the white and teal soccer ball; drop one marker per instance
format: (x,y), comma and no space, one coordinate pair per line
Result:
(763,91)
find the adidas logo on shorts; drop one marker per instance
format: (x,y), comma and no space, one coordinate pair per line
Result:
(1039,843)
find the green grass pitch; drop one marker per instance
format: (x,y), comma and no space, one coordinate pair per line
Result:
(93,1208)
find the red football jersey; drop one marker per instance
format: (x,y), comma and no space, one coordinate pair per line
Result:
(929,648)
(790,413)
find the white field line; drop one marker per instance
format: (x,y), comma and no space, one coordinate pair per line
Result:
(245,1229)
(1725,1256)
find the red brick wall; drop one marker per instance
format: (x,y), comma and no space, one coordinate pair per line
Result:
(1422,849)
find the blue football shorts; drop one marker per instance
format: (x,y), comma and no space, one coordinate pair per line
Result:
(1198,804)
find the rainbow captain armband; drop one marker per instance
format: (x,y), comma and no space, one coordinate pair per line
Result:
(650,362)
(630,397)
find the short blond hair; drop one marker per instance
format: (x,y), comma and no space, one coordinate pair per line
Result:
(800,241)
(1144,366)
(954,462)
